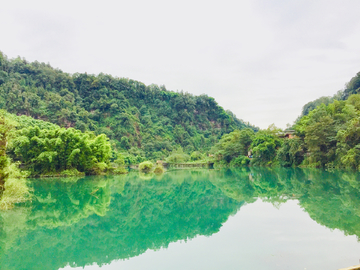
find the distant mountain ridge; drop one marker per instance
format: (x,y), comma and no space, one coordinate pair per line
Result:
(147,120)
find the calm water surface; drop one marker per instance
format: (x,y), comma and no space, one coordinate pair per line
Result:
(208,219)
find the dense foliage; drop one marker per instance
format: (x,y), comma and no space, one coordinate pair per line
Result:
(23,121)
(234,149)
(44,151)
(352,87)
(234,144)
(13,187)
(331,134)
(150,122)
(144,120)
(5,129)
(43,148)
(146,166)
(308,107)
(328,137)
(325,136)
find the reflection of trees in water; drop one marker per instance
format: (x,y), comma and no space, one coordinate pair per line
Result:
(55,204)
(334,201)
(101,219)
(331,198)
(142,215)
(63,203)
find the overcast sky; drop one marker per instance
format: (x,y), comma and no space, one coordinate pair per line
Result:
(261,59)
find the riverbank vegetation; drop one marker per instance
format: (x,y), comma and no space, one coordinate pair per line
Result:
(13,186)
(30,147)
(102,124)
(326,136)
(60,150)
(45,149)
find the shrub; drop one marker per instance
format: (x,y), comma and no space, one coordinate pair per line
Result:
(146,166)
(196,155)
(71,172)
(118,166)
(240,161)
(159,169)
(119,170)
(177,158)
(99,168)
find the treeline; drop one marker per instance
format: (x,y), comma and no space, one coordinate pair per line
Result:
(147,121)
(352,87)
(331,134)
(327,136)
(245,147)
(131,122)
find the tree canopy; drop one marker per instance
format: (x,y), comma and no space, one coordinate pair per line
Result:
(134,115)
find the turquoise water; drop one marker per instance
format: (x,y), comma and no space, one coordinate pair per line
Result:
(205,219)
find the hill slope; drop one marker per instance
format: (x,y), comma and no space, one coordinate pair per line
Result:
(352,87)
(148,120)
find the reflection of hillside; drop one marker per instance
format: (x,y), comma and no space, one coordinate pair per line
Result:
(76,223)
(331,198)
(101,219)
(235,184)
(55,203)
(334,201)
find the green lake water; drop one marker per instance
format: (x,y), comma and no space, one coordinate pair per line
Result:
(254,218)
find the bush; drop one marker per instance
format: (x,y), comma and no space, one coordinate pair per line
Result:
(196,155)
(240,161)
(118,166)
(71,172)
(99,168)
(220,164)
(177,158)
(146,166)
(159,169)
(119,170)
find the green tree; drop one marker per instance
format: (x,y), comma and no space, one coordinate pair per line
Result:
(264,147)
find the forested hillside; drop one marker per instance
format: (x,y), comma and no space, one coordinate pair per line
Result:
(143,120)
(352,87)
(326,135)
